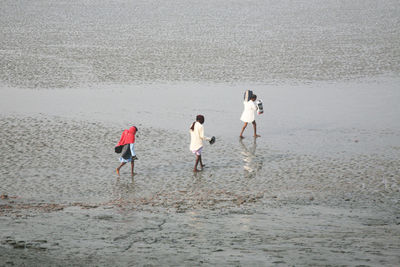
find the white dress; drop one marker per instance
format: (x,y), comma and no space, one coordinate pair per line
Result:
(249,111)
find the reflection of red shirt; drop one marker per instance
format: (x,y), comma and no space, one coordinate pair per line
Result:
(128,136)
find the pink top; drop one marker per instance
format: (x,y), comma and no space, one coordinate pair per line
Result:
(127,137)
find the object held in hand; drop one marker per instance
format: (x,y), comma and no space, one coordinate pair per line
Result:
(260,108)
(212,141)
(118,149)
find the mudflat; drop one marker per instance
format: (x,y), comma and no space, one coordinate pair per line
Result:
(320,187)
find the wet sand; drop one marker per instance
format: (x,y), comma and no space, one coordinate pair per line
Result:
(252,205)
(63,45)
(289,235)
(319,188)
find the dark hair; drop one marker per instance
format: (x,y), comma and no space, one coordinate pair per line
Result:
(199,118)
(253,97)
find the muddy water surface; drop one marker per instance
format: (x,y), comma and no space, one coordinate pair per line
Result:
(251,204)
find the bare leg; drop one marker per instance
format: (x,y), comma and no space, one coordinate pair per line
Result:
(244,127)
(255,129)
(201,163)
(122,164)
(197,162)
(132,166)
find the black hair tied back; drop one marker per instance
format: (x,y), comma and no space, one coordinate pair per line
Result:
(199,118)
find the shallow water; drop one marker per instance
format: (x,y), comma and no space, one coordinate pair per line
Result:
(251,205)
(48,160)
(281,236)
(320,187)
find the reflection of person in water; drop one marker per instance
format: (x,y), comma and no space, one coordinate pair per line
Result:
(251,164)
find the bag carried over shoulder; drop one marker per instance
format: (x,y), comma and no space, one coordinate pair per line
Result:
(248,95)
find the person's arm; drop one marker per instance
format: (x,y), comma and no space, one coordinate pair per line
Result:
(254,106)
(131,147)
(122,137)
(201,133)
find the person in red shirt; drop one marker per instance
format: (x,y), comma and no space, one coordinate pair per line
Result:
(128,154)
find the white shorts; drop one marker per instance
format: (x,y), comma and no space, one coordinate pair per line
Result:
(198,151)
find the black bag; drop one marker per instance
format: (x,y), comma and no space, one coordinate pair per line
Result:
(118,149)
(126,151)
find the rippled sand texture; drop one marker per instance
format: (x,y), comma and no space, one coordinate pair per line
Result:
(53,160)
(63,44)
(251,205)
(301,236)
(320,188)
(65,161)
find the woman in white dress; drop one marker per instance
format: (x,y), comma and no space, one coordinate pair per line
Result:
(248,115)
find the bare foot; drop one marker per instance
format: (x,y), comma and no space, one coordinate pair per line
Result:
(241,136)
(255,136)
(117,171)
